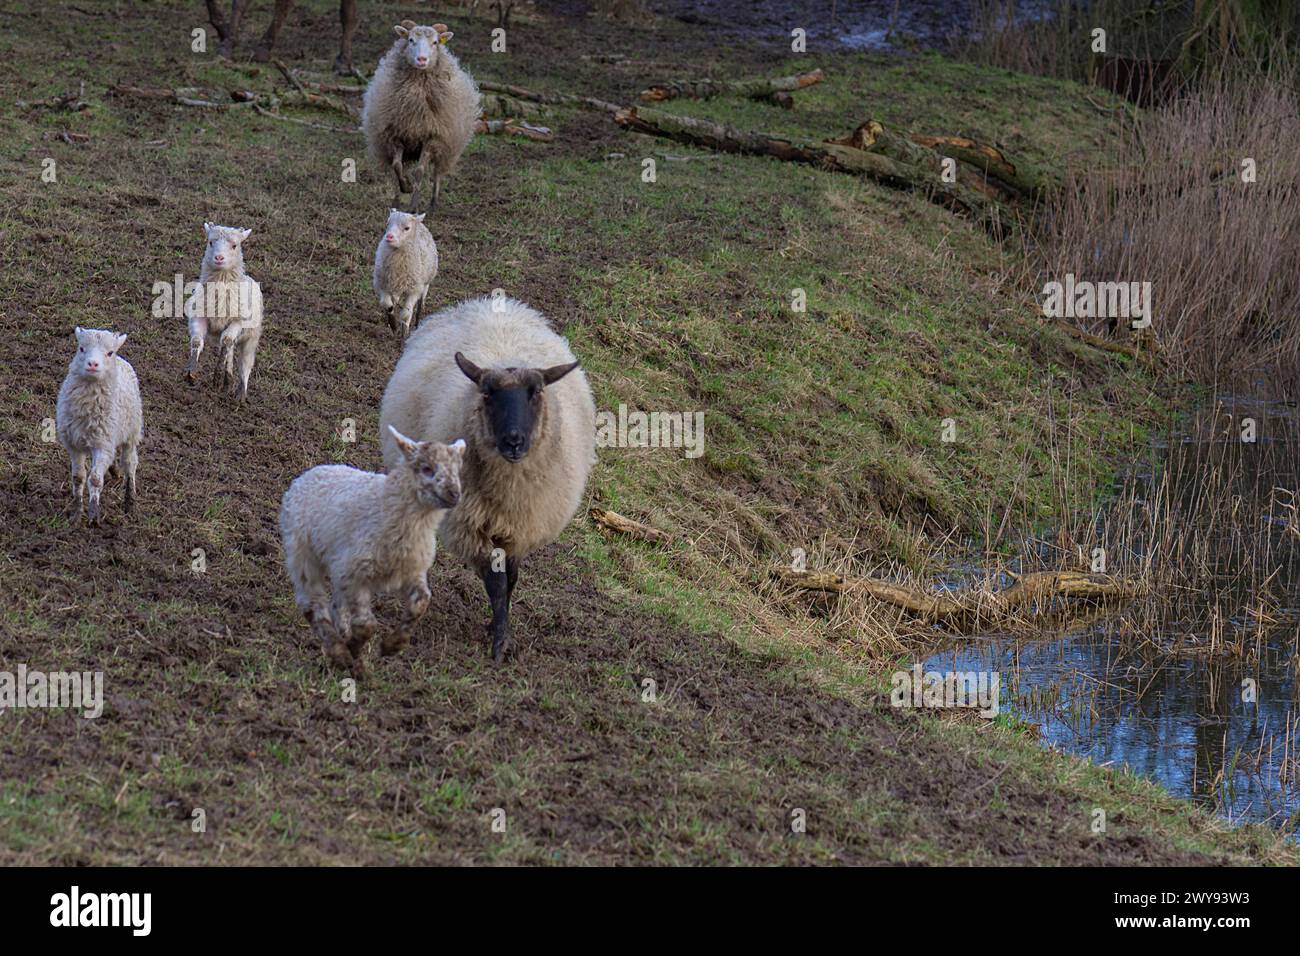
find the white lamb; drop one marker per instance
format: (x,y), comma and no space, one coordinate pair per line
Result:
(99,417)
(225,309)
(406,262)
(369,533)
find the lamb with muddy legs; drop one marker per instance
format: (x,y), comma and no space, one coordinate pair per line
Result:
(493,372)
(99,419)
(225,310)
(350,535)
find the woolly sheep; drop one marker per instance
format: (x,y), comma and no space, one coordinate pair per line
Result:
(406,262)
(99,417)
(369,533)
(225,309)
(493,372)
(420,107)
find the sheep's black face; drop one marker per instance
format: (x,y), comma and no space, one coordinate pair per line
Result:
(513,402)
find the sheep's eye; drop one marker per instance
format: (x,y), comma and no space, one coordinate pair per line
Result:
(426,471)
(110,354)
(80,349)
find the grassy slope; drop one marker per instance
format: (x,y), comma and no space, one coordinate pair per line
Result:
(820,427)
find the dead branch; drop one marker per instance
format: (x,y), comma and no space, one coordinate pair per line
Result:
(614,521)
(888,159)
(550,99)
(513,127)
(501,105)
(970,607)
(775,89)
(992,162)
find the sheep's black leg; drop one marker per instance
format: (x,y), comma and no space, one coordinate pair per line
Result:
(498,584)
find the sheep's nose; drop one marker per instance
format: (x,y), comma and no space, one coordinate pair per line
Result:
(421,60)
(92,365)
(218,258)
(390,237)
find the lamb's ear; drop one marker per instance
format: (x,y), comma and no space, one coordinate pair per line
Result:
(556,372)
(77,334)
(244,234)
(207,228)
(401,31)
(445,36)
(458,446)
(472,371)
(407,447)
(120,340)
(420,217)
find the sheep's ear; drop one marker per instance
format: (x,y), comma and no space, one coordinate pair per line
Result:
(472,371)
(77,332)
(401,31)
(458,446)
(407,447)
(556,372)
(420,217)
(120,340)
(445,36)
(244,234)
(207,228)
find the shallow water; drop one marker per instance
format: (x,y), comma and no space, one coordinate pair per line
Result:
(1189,687)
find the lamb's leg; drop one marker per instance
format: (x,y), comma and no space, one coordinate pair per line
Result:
(403,327)
(198,336)
(99,462)
(264,47)
(340,651)
(390,309)
(348,24)
(417,602)
(498,585)
(77,505)
(247,356)
(228,343)
(363,623)
(130,458)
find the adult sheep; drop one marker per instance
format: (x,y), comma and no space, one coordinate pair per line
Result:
(491,371)
(420,107)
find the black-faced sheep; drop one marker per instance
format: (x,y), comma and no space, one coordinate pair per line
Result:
(493,372)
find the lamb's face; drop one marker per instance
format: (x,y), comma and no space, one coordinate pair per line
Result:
(423,44)
(513,402)
(401,227)
(435,468)
(225,249)
(96,352)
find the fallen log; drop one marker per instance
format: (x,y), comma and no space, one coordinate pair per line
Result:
(509,107)
(614,521)
(841,155)
(970,606)
(513,127)
(550,99)
(989,160)
(776,89)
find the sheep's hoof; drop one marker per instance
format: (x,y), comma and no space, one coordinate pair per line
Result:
(191,375)
(241,392)
(394,644)
(341,657)
(501,648)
